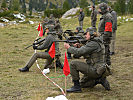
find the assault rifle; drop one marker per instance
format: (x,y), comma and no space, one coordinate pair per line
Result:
(70,32)
(39,40)
(36,42)
(73,39)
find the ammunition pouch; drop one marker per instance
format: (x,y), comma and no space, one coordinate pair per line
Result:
(100,69)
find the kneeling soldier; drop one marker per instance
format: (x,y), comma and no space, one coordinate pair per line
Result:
(94,53)
(44,55)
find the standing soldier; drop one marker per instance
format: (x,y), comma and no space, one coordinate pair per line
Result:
(93,16)
(105,29)
(43,55)
(81,17)
(112,45)
(94,53)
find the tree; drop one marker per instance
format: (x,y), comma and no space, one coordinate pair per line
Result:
(66,5)
(23,6)
(52,6)
(83,3)
(3,5)
(120,7)
(130,4)
(15,5)
(41,5)
(30,7)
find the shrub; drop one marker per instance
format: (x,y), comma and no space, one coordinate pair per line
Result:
(5,13)
(87,12)
(56,12)
(120,7)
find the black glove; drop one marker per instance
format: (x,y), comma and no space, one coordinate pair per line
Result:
(34,47)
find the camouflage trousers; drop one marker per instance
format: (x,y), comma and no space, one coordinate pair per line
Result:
(84,68)
(42,55)
(112,45)
(81,23)
(107,40)
(93,23)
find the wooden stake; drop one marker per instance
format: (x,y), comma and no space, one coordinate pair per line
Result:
(65,85)
(55,64)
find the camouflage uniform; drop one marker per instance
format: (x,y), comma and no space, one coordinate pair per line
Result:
(81,17)
(93,17)
(112,45)
(93,52)
(45,22)
(44,55)
(79,32)
(58,29)
(51,19)
(94,68)
(105,29)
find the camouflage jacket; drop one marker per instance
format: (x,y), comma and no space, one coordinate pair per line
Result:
(93,51)
(105,25)
(114,15)
(81,16)
(48,42)
(94,15)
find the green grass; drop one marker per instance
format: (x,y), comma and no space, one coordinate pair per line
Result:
(34,86)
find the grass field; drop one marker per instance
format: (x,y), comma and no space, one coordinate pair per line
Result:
(34,86)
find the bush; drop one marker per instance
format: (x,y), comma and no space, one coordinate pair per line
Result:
(120,7)
(87,12)
(56,12)
(5,13)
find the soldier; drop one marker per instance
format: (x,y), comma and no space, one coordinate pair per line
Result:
(45,22)
(81,17)
(79,32)
(51,19)
(105,29)
(93,16)
(58,28)
(112,45)
(44,55)
(94,53)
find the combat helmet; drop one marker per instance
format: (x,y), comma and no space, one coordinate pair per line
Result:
(79,28)
(91,30)
(103,7)
(50,27)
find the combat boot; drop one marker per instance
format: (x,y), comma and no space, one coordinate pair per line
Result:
(25,69)
(59,64)
(88,84)
(75,88)
(112,53)
(105,83)
(69,56)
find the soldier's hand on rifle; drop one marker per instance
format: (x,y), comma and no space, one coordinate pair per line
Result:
(34,47)
(66,45)
(76,45)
